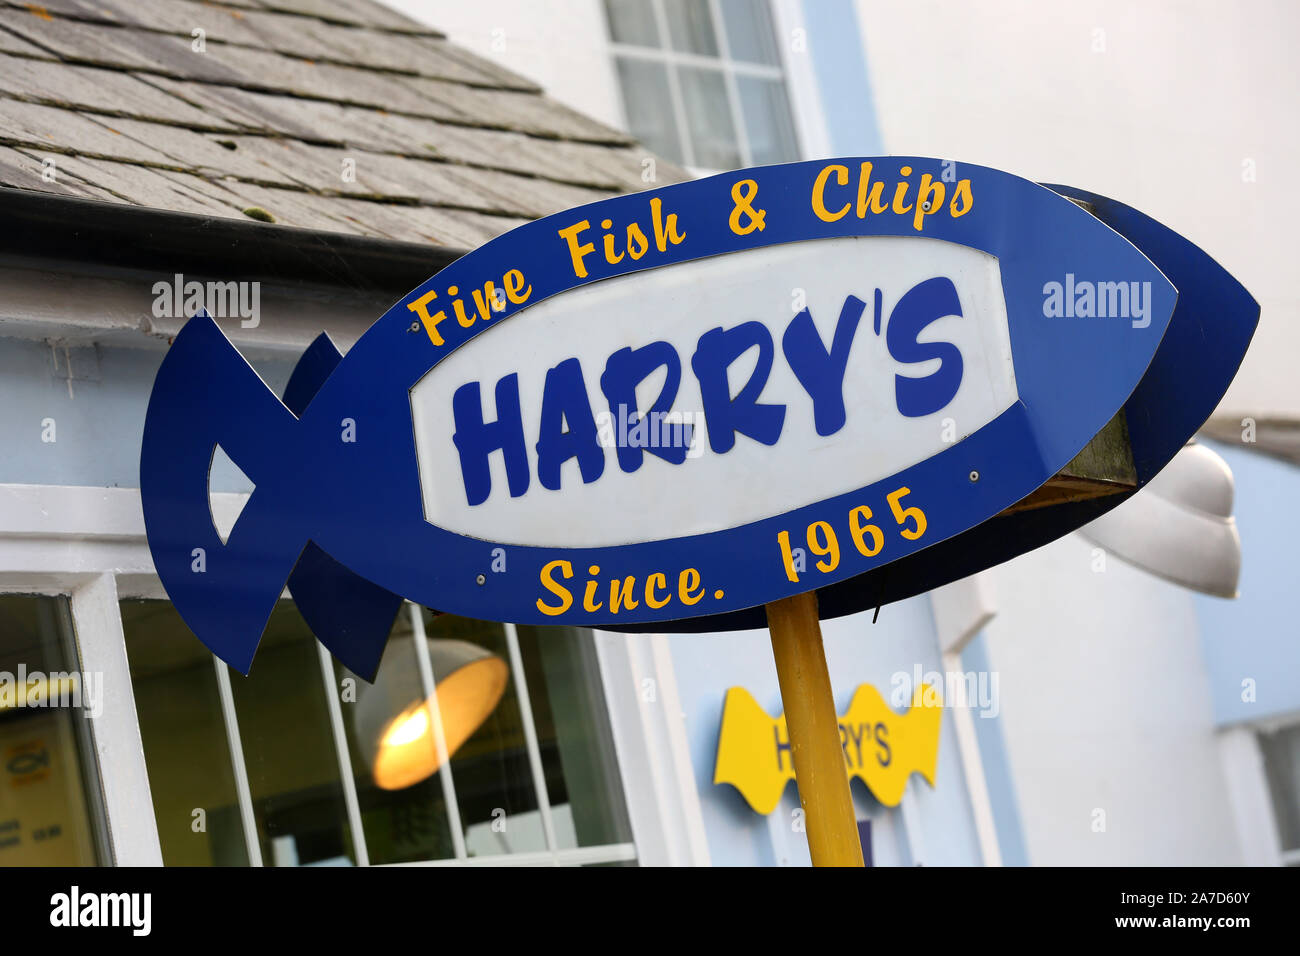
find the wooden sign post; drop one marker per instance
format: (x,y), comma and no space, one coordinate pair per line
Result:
(814,731)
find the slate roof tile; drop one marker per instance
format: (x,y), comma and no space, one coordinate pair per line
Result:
(135,184)
(99,91)
(200,152)
(440,145)
(21,169)
(242,108)
(307,211)
(58,130)
(76,41)
(10,43)
(350,12)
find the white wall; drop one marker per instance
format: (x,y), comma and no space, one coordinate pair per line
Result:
(559,44)
(1164,105)
(1157,104)
(1106,705)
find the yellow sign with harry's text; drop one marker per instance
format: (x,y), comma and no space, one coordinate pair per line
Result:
(881,747)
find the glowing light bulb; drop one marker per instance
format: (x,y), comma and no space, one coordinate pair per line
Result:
(408,728)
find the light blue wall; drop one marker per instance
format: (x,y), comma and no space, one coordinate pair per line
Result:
(97,423)
(1257,636)
(857,652)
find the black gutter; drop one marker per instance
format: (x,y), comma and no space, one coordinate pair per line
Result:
(45,226)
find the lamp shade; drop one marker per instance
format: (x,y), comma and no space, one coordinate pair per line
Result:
(1180,527)
(395,722)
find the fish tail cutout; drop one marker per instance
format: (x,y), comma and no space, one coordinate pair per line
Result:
(349,614)
(750,755)
(206,394)
(881,747)
(1209,333)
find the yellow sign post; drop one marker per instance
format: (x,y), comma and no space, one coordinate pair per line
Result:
(814,731)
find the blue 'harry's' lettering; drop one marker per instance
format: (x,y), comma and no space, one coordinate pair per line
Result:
(626,369)
(882,741)
(856,733)
(782,749)
(476,439)
(924,303)
(821,373)
(568,427)
(564,401)
(716,351)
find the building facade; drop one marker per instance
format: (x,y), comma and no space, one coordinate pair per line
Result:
(1094,714)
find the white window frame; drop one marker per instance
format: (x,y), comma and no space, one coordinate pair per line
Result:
(812,140)
(961,611)
(801,80)
(45,549)
(88,544)
(654,758)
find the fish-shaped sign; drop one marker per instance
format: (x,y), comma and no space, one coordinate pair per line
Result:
(881,747)
(663,410)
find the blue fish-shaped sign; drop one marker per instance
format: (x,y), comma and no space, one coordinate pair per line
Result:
(663,410)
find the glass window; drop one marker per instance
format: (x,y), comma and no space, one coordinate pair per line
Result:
(750,35)
(576,744)
(284,724)
(702,82)
(649,105)
(50,808)
(632,21)
(509,703)
(767,118)
(690,25)
(708,117)
(404,820)
(187,753)
(1282,768)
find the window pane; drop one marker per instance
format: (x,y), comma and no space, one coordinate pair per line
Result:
(287,735)
(713,135)
(190,776)
(577,747)
(1282,767)
(288,748)
(649,106)
(293,772)
(767,121)
(494,780)
(633,22)
(405,820)
(750,36)
(691,26)
(49,808)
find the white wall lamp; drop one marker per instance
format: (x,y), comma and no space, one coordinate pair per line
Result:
(1180,527)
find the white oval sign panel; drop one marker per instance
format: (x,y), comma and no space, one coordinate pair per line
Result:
(682,458)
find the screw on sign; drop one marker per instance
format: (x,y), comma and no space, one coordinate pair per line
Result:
(826,433)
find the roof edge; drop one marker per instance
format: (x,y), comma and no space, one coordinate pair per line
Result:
(113,235)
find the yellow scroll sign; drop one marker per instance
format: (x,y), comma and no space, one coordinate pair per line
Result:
(881,747)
